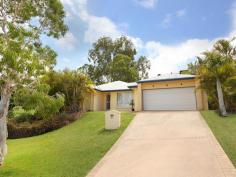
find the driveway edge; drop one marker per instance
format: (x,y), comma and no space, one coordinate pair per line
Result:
(106,155)
(225,163)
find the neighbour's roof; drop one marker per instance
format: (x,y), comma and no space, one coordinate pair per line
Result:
(168,77)
(113,86)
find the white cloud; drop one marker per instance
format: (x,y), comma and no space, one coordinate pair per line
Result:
(96,26)
(138,43)
(181,13)
(147,3)
(71,3)
(172,16)
(68,42)
(167,20)
(168,58)
(165,58)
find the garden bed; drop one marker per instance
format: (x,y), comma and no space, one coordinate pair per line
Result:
(38,127)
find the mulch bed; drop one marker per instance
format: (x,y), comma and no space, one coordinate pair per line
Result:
(27,129)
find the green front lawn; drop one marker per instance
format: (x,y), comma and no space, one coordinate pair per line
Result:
(224,130)
(67,152)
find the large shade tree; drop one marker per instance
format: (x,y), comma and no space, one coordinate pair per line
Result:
(107,53)
(22,55)
(122,68)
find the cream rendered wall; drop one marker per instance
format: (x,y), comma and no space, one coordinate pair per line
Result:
(138,98)
(98,101)
(199,95)
(169,84)
(113,102)
(202,100)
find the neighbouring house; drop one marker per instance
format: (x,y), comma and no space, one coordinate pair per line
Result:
(164,92)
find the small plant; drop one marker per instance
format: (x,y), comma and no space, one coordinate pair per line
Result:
(21,115)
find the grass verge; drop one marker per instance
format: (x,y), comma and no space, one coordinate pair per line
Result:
(224,130)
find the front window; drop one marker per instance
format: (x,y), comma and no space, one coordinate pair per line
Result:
(124,99)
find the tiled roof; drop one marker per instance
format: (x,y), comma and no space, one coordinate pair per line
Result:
(168,77)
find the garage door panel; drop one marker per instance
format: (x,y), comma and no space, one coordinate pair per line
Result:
(169,99)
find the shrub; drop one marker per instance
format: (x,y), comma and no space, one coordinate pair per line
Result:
(37,99)
(49,106)
(21,115)
(73,84)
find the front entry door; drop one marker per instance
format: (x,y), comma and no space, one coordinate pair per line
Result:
(108,100)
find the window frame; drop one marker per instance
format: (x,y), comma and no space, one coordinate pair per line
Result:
(124,105)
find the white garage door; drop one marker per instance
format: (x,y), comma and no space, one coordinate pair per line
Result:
(169,99)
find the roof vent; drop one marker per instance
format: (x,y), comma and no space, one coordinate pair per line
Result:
(158,74)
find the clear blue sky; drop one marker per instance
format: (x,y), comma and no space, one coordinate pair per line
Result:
(170,33)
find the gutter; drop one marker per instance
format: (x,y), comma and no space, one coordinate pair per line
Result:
(133,86)
(162,80)
(119,90)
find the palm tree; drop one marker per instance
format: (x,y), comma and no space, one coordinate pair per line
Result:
(218,64)
(225,48)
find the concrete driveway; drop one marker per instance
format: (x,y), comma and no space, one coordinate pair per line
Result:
(166,144)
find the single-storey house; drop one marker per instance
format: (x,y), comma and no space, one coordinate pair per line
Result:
(164,92)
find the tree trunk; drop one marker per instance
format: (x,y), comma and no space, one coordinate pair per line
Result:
(4,104)
(220,98)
